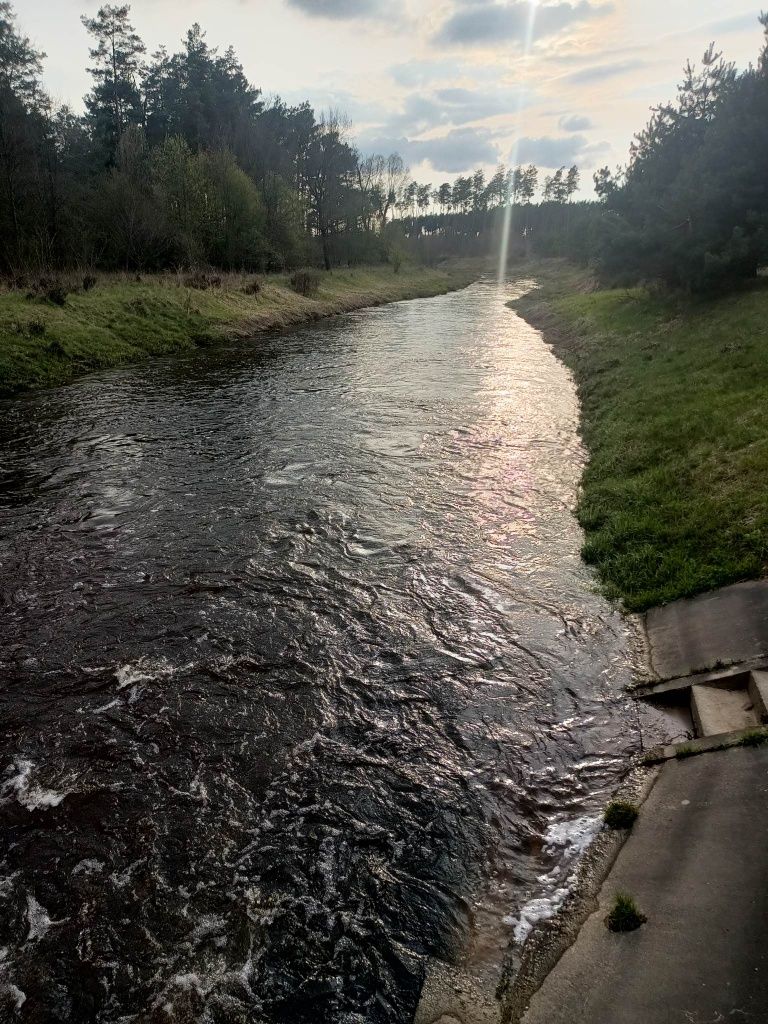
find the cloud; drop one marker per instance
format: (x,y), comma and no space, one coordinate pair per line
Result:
(461,149)
(463,105)
(482,23)
(737,23)
(574,123)
(420,73)
(340,10)
(422,112)
(599,72)
(551,151)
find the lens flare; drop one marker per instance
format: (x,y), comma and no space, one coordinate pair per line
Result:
(512,162)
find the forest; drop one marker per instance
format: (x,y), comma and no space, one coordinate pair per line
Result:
(179,162)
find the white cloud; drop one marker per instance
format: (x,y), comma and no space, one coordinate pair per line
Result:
(488,24)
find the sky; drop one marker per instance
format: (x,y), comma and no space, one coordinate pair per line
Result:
(450,84)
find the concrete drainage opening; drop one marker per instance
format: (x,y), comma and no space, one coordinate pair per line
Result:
(713,703)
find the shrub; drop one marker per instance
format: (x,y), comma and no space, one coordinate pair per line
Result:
(624,915)
(89,281)
(202,281)
(56,348)
(619,814)
(50,288)
(305,282)
(56,293)
(396,259)
(253,287)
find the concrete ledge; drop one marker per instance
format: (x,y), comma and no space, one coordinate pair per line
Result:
(695,864)
(704,745)
(726,626)
(529,968)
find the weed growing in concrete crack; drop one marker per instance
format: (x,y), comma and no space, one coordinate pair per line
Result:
(620,814)
(754,738)
(625,915)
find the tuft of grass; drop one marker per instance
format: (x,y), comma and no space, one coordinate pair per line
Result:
(625,915)
(252,287)
(619,814)
(754,738)
(131,317)
(306,282)
(673,397)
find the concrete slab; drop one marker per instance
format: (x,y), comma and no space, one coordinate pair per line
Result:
(696,865)
(726,626)
(702,745)
(758,689)
(717,710)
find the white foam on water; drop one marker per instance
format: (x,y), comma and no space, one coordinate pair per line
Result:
(143,671)
(573,836)
(88,866)
(567,840)
(106,707)
(38,920)
(18,997)
(19,786)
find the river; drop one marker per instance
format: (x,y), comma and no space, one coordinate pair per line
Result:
(304,684)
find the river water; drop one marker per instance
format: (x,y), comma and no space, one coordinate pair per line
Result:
(303,682)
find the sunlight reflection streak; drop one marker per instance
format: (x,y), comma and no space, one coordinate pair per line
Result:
(507,223)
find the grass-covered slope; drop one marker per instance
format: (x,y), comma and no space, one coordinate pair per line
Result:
(122,319)
(674,401)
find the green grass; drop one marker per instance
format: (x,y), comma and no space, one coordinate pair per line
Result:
(754,738)
(619,814)
(122,319)
(674,398)
(624,915)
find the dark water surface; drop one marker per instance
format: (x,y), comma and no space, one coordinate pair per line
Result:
(302,680)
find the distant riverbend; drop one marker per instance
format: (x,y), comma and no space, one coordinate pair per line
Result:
(304,684)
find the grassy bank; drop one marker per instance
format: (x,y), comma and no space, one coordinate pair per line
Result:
(122,319)
(674,398)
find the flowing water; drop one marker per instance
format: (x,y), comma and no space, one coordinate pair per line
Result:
(303,682)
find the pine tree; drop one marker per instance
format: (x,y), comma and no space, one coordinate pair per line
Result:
(20,64)
(115,101)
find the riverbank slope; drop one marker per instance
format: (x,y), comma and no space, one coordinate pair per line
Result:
(674,394)
(53,333)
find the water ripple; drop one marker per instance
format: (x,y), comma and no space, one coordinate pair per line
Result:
(301,671)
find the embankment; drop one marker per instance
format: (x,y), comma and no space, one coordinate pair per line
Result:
(124,318)
(674,405)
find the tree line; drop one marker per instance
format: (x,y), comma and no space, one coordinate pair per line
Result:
(690,209)
(474,193)
(177,160)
